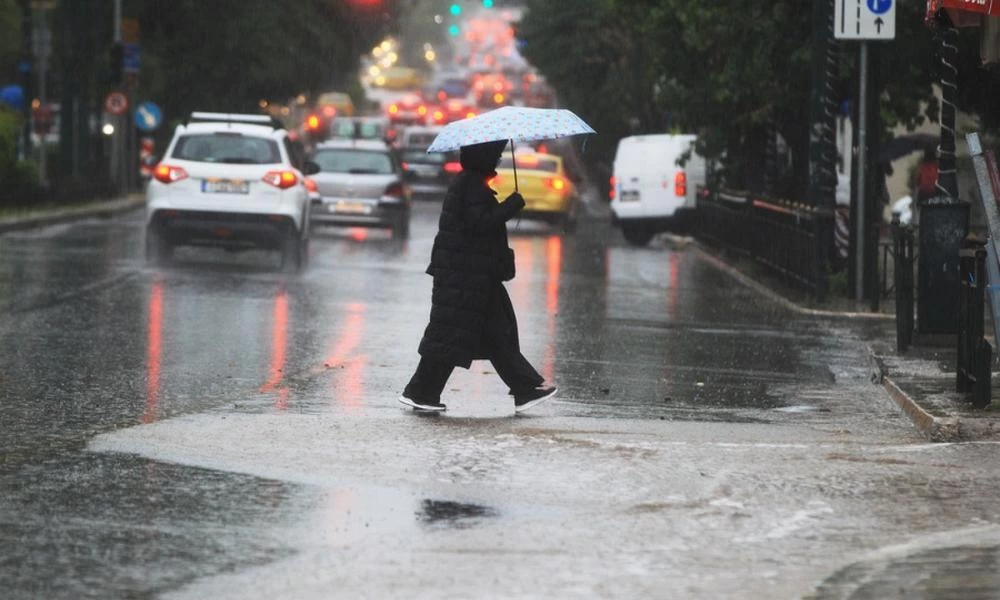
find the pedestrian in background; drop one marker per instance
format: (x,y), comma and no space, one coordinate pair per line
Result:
(471,314)
(926,176)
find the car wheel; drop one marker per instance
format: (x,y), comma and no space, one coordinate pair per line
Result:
(159,250)
(637,235)
(401,229)
(292,251)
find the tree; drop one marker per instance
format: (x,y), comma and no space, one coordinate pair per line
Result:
(734,72)
(10,39)
(234,53)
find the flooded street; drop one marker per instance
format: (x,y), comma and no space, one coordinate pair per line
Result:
(217,429)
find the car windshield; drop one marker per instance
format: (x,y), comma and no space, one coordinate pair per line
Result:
(455,88)
(419,156)
(349,129)
(420,140)
(333,98)
(349,160)
(530,162)
(229,148)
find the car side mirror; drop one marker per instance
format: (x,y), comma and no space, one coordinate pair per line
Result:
(310,168)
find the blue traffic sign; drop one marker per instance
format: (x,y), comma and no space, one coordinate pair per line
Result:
(148,116)
(879,7)
(131,58)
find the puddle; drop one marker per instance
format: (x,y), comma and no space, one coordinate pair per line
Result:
(456,515)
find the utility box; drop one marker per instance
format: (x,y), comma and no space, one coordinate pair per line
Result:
(943,227)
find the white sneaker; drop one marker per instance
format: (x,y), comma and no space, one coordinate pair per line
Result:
(436,407)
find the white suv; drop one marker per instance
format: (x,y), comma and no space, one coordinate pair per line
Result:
(229,180)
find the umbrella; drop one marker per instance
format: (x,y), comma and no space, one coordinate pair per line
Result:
(514,123)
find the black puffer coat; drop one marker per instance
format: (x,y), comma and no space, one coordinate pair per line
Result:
(469,249)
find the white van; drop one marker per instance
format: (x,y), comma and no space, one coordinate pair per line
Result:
(650,191)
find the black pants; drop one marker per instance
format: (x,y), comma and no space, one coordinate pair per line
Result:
(502,349)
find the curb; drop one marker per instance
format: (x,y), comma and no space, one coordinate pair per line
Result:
(935,429)
(103,210)
(778,298)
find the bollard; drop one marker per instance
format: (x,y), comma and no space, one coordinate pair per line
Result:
(973,365)
(902,246)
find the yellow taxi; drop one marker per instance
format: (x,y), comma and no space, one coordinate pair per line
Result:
(549,194)
(335,104)
(400,78)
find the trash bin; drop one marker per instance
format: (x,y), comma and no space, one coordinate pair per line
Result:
(942,229)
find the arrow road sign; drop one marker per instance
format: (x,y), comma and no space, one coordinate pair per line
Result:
(864,19)
(148,116)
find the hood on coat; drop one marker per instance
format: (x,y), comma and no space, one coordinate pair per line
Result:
(482,158)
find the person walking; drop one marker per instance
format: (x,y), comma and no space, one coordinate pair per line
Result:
(472,317)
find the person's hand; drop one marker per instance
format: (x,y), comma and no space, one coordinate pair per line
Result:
(516,199)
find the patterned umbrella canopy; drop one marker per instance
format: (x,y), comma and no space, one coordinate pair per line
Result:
(514,123)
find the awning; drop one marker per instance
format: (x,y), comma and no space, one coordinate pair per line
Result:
(964,13)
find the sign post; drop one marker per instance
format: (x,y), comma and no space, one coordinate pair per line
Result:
(863,20)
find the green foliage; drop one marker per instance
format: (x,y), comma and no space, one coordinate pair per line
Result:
(19,179)
(724,70)
(236,52)
(10,38)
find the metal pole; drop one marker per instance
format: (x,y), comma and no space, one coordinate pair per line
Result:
(118,137)
(43,100)
(859,227)
(116,29)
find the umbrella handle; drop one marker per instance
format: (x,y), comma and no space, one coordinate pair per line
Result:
(513,163)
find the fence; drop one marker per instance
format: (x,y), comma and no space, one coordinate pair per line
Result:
(781,235)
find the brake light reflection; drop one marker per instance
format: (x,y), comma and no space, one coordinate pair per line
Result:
(553,257)
(279,348)
(348,392)
(154,349)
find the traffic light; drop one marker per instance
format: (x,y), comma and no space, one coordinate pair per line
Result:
(453,30)
(487,3)
(116,63)
(456,9)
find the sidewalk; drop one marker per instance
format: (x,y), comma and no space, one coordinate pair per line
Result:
(921,380)
(56,215)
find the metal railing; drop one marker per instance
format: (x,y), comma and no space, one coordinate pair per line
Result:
(980,273)
(972,370)
(780,235)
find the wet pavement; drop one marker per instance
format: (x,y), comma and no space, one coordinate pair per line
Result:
(218,429)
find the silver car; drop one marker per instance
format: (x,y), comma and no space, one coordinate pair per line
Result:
(360,184)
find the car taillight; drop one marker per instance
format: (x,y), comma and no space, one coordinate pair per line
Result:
(438,116)
(498,98)
(422,110)
(469,114)
(542,149)
(329,111)
(168,174)
(394,191)
(393,109)
(281,179)
(312,123)
(453,167)
(680,184)
(406,166)
(556,183)
(310,185)
(611,192)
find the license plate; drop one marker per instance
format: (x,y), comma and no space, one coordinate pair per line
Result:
(350,207)
(225,186)
(630,196)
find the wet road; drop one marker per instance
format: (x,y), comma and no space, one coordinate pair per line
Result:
(217,429)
